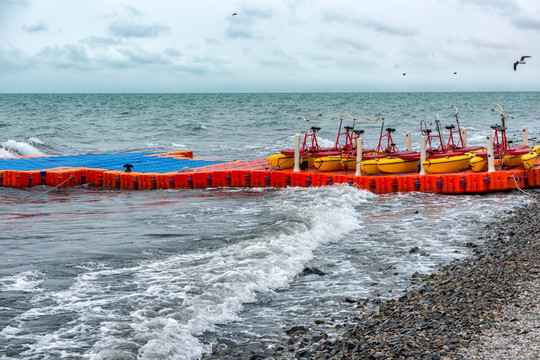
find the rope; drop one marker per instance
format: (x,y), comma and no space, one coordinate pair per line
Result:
(520,189)
(56,187)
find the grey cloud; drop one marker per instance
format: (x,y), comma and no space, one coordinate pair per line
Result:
(172,52)
(195,69)
(499,6)
(37,27)
(239,32)
(244,24)
(344,43)
(70,55)
(385,28)
(253,13)
(526,22)
(133,10)
(128,29)
(138,56)
(100,41)
(11,58)
(367,22)
(495,45)
(277,57)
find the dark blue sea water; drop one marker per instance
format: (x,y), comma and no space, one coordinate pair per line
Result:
(96,273)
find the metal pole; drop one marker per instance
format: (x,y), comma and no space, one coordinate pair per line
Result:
(464,136)
(359,150)
(491,157)
(525,136)
(422,154)
(408,140)
(296,153)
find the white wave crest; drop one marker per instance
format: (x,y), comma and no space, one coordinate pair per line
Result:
(13,148)
(27,281)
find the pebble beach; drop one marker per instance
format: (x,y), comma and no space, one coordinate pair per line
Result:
(484,306)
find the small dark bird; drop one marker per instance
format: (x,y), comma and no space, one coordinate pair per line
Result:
(234,14)
(520,61)
(455,72)
(404,74)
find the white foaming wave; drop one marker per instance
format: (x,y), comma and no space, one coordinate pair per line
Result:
(13,148)
(35,140)
(27,281)
(161,307)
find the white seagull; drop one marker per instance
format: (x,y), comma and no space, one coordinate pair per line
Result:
(520,61)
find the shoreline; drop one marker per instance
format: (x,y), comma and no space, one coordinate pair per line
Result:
(484,306)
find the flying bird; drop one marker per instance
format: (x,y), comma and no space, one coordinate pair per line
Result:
(455,72)
(520,61)
(404,74)
(234,14)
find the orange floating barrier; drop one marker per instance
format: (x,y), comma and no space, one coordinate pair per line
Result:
(129,180)
(453,184)
(14,178)
(386,184)
(499,181)
(111,178)
(279,179)
(516,178)
(201,180)
(300,179)
(239,178)
(94,176)
(533,177)
(476,182)
(147,181)
(431,183)
(164,181)
(221,178)
(259,178)
(63,176)
(363,182)
(342,179)
(183,180)
(408,183)
(320,179)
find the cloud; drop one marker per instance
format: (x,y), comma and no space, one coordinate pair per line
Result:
(367,22)
(100,41)
(277,58)
(239,32)
(526,22)
(140,57)
(133,10)
(128,29)
(498,6)
(66,56)
(343,43)
(11,58)
(40,26)
(245,24)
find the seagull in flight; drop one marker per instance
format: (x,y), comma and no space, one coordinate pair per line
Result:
(520,61)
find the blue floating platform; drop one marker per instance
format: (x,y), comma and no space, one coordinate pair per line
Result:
(146,162)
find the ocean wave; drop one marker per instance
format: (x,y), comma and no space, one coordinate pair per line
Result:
(14,148)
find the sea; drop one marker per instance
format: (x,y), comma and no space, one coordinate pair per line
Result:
(96,273)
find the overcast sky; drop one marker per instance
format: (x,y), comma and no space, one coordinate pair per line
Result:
(269,46)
